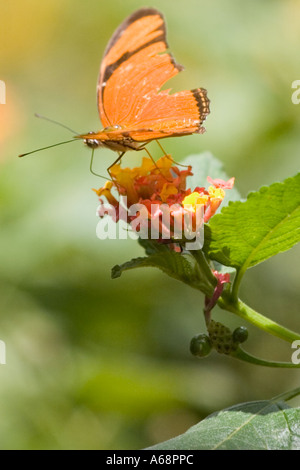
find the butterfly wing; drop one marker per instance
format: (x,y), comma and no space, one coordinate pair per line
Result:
(135,66)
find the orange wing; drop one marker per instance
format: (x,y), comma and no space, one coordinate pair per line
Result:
(134,68)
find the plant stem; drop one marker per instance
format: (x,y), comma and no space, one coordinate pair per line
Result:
(204,266)
(236,284)
(262,322)
(287,395)
(246,357)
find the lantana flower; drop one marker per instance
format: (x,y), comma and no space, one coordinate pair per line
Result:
(155,201)
(210,302)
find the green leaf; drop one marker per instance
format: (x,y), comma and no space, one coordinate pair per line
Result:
(152,246)
(247,233)
(258,425)
(182,267)
(204,165)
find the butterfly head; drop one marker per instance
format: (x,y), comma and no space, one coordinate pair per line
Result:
(99,139)
(92,143)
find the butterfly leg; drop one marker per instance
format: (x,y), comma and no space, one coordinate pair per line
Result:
(91,167)
(149,154)
(115,162)
(154,162)
(164,152)
(143,147)
(161,147)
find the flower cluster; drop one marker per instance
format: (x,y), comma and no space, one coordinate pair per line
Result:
(154,200)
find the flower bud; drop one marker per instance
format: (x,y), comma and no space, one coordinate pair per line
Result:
(221,338)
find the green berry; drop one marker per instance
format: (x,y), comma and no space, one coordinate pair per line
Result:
(200,345)
(240,334)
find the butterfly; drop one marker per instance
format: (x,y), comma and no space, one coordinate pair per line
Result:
(132,109)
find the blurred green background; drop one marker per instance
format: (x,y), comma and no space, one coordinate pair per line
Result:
(94,363)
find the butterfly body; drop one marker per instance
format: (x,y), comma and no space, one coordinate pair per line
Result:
(111,137)
(132,107)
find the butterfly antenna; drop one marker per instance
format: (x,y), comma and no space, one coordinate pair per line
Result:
(56,122)
(48,147)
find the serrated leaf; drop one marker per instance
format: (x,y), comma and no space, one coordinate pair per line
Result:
(247,233)
(182,267)
(204,165)
(152,246)
(260,425)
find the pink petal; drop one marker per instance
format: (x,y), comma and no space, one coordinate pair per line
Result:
(218,183)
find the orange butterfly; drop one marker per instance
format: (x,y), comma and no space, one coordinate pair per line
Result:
(131,106)
(132,109)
